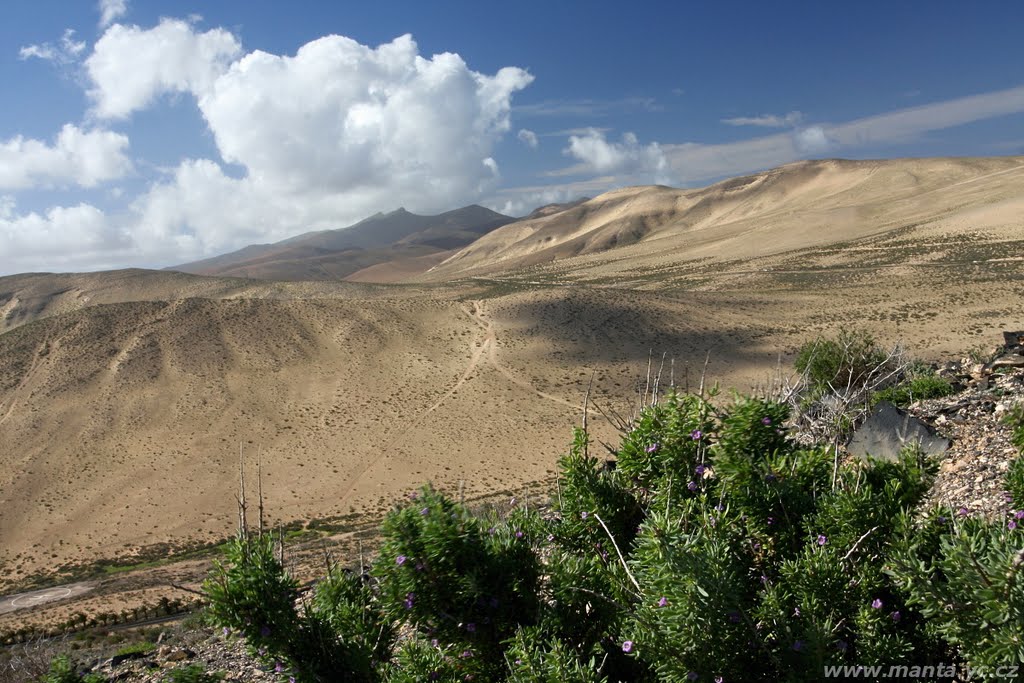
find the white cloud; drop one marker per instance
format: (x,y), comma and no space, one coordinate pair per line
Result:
(85,237)
(529,137)
(598,155)
(77,157)
(111,11)
(130,66)
(65,52)
(812,141)
(789,120)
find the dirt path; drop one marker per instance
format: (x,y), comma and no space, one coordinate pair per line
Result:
(483,349)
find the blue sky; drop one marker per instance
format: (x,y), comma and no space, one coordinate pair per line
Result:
(151,133)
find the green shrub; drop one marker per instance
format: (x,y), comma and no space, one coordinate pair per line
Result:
(62,670)
(848,360)
(717,547)
(918,387)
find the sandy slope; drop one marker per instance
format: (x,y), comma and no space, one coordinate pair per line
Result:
(124,396)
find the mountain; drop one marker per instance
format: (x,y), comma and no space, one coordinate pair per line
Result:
(125,396)
(337,254)
(797,206)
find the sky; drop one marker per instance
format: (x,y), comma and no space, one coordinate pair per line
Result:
(138,133)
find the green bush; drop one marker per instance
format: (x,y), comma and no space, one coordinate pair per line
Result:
(920,386)
(718,547)
(192,673)
(63,671)
(848,360)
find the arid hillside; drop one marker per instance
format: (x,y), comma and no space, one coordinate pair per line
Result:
(126,396)
(623,234)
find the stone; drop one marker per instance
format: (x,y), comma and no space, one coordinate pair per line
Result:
(1013,339)
(888,430)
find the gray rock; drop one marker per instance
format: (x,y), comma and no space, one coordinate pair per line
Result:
(888,430)
(1013,339)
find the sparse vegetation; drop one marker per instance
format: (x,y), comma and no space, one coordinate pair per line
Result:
(717,548)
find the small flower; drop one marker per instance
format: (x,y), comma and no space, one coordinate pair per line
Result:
(420,566)
(410,598)
(876,603)
(822,539)
(466,654)
(699,470)
(400,560)
(433,642)
(796,611)
(696,434)
(771,520)
(1011,525)
(962,512)
(226,631)
(896,616)
(519,534)
(662,602)
(653,447)
(692,486)
(1019,514)
(627,646)
(770,476)
(425,511)
(551,537)
(471,627)
(798,646)
(719,679)
(278,667)
(942,520)
(584,514)
(720,508)
(767,421)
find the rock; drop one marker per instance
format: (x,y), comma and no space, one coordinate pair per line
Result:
(1013,339)
(888,430)
(1010,360)
(180,655)
(120,659)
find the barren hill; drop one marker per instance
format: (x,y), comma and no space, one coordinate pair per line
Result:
(124,396)
(802,205)
(336,254)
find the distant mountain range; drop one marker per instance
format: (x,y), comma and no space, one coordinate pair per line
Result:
(403,240)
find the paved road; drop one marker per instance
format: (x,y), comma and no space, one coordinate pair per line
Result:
(13,603)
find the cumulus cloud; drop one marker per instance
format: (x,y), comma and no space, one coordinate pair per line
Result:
(86,236)
(812,141)
(111,11)
(529,137)
(77,157)
(130,66)
(789,120)
(62,53)
(598,155)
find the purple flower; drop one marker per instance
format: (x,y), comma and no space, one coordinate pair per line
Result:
(719,679)
(822,539)
(798,646)
(551,537)
(796,611)
(1011,525)
(226,631)
(720,507)
(692,486)
(471,627)
(696,434)
(876,603)
(420,566)
(400,560)
(278,667)
(942,520)
(1019,514)
(466,654)
(662,602)
(410,598)
(770,476)
(767,421)
(519,534)
(425,511)
(653,447)
(584,514)
(627,646)
(771,520)
(699,470)
(896,616)
(433,642)
(962,512)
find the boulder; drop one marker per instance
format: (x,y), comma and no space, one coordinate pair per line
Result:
(888,430)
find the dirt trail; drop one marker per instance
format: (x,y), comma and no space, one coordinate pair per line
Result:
(483,348)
